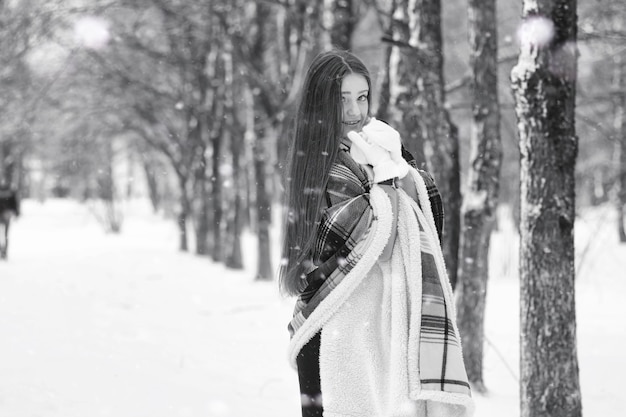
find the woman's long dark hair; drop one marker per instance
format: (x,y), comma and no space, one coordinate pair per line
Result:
(312,152)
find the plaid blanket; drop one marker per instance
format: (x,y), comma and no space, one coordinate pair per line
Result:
(354,230)
(346,221)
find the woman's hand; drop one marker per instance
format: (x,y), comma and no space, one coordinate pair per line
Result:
(374,143)
(372,154)
(384,136)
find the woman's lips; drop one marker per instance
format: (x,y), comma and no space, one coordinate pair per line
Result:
(351,123)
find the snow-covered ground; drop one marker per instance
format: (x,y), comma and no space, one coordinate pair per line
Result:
(93,324)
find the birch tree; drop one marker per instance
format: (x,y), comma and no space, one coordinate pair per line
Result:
(544,86)
(481,198)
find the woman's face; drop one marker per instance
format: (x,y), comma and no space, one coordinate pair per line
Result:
(354,94)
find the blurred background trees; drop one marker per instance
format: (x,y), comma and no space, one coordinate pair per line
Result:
(189,104)
(190,101)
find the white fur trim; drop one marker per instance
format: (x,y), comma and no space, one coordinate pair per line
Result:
(381,231)
(377,291)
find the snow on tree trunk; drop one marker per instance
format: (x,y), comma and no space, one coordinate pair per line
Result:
(417,108)
(480,200)
(544,86)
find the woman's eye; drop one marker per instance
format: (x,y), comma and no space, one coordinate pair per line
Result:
(362,98)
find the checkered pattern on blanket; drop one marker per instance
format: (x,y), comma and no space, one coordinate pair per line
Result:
(438,340)
(345,222)
(427,352)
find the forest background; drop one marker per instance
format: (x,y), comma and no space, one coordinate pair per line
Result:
(189,103)
(100,101)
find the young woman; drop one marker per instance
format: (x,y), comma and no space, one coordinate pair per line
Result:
(373,331)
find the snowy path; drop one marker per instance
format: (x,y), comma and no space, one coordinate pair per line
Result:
(126,326)
(101,325)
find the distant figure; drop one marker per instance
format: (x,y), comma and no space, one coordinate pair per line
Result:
(8,206)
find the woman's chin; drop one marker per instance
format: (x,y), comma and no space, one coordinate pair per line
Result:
(345,128)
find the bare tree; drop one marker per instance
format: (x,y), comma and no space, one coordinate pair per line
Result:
(544,85)
(160,66)
(481,197)
(271,45)
(20,28)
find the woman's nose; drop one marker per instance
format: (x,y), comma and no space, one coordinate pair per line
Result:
(353,108)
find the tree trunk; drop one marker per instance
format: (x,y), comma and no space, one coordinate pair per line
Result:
(233,255)
(263,204)
(6,160)
(234,130)
(217,197)
(417,108)
(216,81)
(259,126)
(107,192)
(152,182)
(385,11)
(619,124)
(183,214)
(544,85)
(480,201)
(204,206)
(340,21)
(130,174)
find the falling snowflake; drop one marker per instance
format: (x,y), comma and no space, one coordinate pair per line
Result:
(226,170)
(92,32)
(536,31)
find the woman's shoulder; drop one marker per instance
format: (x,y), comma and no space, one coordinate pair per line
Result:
(410,159)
